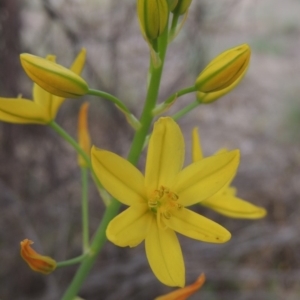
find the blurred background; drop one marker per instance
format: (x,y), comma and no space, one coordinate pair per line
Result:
(40,180)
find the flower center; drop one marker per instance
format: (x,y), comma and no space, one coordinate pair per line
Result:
(162,202)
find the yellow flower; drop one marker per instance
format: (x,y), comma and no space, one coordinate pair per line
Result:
(53,77)
(184,293)
(158,200)
(83,133)
(223,71)
(37,262)
(43,108)
(225,201)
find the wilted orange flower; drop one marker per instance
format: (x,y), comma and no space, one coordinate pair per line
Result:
(83,133)
(37,262)
(184,293)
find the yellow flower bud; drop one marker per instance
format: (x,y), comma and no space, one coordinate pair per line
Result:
(172,4)
(83,133)
(153,17)
(37,262)
(224,70)
(181,7)
(53,77)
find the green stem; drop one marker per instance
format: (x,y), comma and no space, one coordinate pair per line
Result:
(71,141)
(72,261)
(180,93)
(85,209)
(173,26)
(133,156)
(109,97)
(185,110)
(78,149)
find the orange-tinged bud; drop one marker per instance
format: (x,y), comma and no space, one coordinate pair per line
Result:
(223,71)
(181,7)
(83,133)
(184,293)
(53,77)
(37,262)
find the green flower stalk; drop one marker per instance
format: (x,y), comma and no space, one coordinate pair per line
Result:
(53,77)
(223,71)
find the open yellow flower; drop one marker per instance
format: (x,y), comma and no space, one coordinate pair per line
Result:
(43,108)
(37,262)
(158,200)
(225,201)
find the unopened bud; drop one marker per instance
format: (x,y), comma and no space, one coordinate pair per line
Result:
(153,17)
(172,4)
(181,7)
(53,77)
(224,70)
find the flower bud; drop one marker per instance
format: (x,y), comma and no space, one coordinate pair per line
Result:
(37,262)
(53,77)
(172,4)
(181,7)
(153,17)
(224,70)
(83,133)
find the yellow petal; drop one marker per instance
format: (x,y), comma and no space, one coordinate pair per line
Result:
(22,111)
(197,227)
(202,179)
(164,255)
(37,262)
(184,293)
(165,154)
(196,146)
(76,67)
(130,227)
(119,177)
(79,62)
(234,207)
